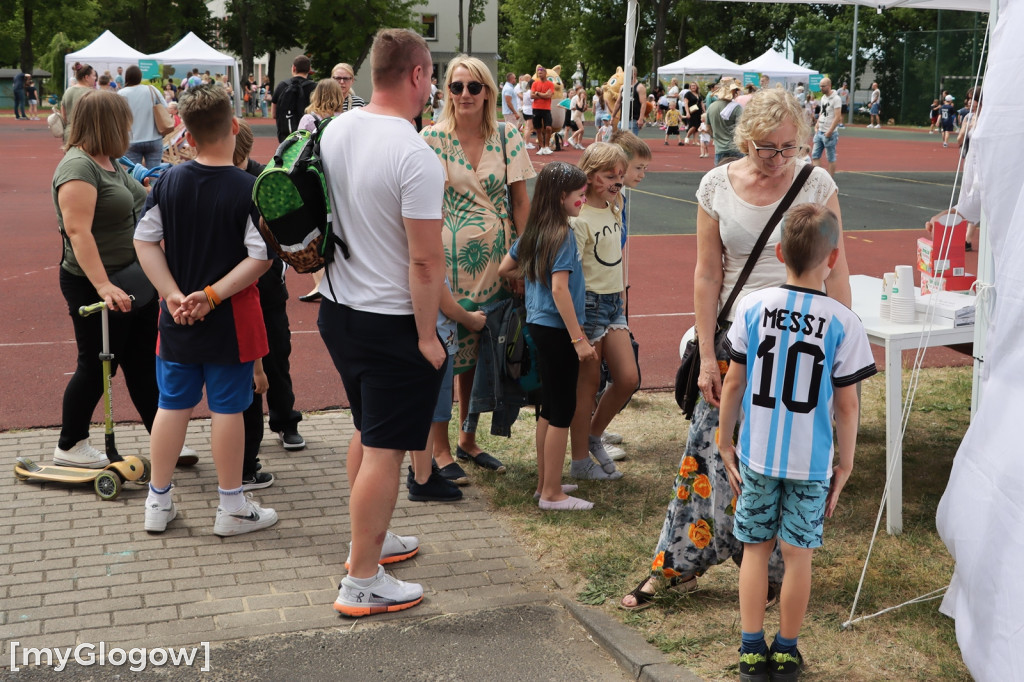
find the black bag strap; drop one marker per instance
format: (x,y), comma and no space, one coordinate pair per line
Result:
(748,268)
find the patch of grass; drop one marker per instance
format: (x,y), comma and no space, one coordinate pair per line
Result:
(609,549)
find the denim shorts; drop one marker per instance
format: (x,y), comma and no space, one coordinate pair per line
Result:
(228,387)
(604,312)
(443,409)
(769,507)
(825,143)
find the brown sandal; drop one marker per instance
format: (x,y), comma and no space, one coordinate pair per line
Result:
(643,599)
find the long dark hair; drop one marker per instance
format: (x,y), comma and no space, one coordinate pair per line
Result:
(548,222)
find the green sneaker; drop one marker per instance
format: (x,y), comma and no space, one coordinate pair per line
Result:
(785,667)
(754,667)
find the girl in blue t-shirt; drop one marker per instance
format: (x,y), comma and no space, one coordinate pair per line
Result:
(546,256)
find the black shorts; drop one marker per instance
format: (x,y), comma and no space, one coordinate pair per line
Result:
(572,124)
(672,130)
(559,368)
(390,385)
(946,126)
(662,107)
(541,118)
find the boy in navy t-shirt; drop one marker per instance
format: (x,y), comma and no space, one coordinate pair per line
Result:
(797,356)
(212,335)
(947,119)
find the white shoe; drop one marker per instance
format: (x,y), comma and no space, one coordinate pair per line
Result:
(611,438)
(187,457)
(395,548)
(615,453)
(157,518)
(247,519)
(530,145)
(82,455)
(384,595)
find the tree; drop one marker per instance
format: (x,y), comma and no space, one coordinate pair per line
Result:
(255,27)
(154,25)
(476,15)
(343,31)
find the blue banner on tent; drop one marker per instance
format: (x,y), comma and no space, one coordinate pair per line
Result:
(150,68)
(814,82)
(751,78)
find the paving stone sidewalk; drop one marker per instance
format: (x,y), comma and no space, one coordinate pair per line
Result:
(75,569)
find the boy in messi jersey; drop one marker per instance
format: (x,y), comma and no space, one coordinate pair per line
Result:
(797,357)
(211,326)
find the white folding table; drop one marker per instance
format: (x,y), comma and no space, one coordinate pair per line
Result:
(897,337)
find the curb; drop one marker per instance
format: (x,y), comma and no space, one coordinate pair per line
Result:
(627,646)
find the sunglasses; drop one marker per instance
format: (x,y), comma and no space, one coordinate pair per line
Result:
(770,152)
(474,87)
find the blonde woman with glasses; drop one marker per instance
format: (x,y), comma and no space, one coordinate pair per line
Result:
(479,224)
(345,77)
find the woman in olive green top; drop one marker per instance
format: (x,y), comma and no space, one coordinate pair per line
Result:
(98,205)
(85,81)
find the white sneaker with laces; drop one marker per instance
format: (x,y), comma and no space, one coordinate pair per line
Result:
(530,145)
(384,595)
(82,455)
(615,453)
(395,548)
(611,438)
(157,518)
(249,518)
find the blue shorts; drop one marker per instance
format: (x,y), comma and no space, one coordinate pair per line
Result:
(443,409)
(604,312)
(228,387)
(874,109)
(825,143)
(791,510)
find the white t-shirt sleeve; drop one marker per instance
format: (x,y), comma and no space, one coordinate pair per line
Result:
(737,334)
(255,245)
(151,226)
(853,361)
(422,185)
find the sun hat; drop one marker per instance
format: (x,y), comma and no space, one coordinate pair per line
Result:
(950,98)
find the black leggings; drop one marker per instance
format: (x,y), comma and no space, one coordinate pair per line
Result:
(133,343)
(559,368)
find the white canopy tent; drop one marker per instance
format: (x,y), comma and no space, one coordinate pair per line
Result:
(704,60)
(192,51)
(106,53)
(773,64)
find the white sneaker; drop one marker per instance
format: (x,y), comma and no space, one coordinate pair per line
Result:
(615,453)
(187,457)
(395,548)
(82,455)
(610,438)
(247,519)
(530,145)
(384,595)
(157,518)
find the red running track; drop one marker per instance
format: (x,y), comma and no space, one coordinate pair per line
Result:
(37,348)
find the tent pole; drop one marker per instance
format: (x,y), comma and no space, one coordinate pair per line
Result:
(853,64)
(627,67)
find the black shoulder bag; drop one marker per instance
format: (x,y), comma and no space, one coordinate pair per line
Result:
(687,391)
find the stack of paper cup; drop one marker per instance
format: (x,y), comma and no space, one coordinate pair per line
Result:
(901,301)
(887,281)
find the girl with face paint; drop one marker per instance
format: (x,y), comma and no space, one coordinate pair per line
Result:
(598,231)
(546,257)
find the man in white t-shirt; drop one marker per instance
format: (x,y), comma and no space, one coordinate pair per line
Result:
(510,100)
(826,137)
(379,309)
(875,106)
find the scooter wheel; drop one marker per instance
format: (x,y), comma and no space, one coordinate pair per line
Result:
(147,471)
(107,485)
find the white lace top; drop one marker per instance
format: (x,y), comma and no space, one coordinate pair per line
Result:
(740,224)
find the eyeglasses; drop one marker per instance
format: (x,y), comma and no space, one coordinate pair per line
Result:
(474,87)
(343,79)
(770,152)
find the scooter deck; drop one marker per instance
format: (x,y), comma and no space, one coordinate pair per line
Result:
(131,469)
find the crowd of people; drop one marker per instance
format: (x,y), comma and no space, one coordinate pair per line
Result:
(443,235)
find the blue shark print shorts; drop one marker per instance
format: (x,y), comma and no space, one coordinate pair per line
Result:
(790,509)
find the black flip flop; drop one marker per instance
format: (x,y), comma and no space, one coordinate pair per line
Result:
(482,460)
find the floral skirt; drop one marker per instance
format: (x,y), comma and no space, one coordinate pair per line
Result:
(697,533)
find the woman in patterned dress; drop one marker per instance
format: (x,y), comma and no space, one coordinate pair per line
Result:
(735,201)
(479,222)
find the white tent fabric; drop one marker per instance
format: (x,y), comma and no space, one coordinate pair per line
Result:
(106,53)
(704,60)
(981,515)
(192,50)
(773,64)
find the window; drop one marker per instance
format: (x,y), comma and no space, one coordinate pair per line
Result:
(429,29)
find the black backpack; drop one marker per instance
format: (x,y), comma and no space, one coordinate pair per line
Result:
(292,197)
(292,103)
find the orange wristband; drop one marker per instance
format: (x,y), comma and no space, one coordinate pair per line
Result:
(211,297)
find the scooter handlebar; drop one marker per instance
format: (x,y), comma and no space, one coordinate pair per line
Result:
(87,310)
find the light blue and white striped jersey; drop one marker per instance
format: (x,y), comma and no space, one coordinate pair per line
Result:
(788,337)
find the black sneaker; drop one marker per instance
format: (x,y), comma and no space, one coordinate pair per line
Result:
(754,667)
(436,489)
(261,479)
(453,473)
(291,440)
(785,667)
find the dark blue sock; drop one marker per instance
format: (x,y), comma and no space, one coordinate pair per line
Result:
(753,643)
(783,645)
